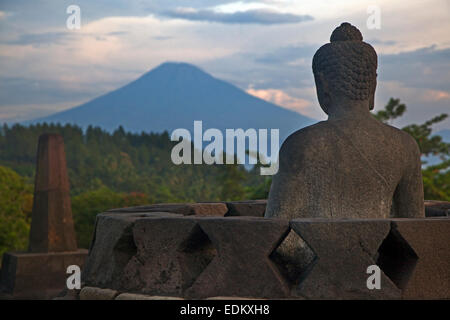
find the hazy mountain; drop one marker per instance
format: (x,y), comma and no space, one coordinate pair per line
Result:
(172,96)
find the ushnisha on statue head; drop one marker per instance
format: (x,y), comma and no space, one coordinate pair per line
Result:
(345,69)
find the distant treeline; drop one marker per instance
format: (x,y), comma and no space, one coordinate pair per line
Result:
(128,162)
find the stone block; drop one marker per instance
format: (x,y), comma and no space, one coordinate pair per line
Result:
(242,266)
(37,275)
(437,208)
(112,247)
(344,250)
(232,298)
(92,293)
(253,208)
(186,209)
(430,240)
(66,294)
(171,253)
(207,209)
(178,208)
(134,296)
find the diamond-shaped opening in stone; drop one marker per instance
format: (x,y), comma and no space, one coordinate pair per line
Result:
(294,258)
(124,249)
(396,258)
(195,254)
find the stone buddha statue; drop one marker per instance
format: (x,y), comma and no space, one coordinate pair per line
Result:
(352,165)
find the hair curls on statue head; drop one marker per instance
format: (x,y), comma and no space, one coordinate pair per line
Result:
(348,64)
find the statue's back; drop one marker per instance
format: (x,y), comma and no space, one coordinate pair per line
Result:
(341,169)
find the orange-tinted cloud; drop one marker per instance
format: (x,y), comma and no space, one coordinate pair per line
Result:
(436,95)
(281,98)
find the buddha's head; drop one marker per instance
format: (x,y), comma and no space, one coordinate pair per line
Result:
(345,69)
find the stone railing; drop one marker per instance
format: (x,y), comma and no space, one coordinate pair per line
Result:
(228,249)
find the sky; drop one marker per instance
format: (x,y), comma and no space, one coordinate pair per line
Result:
(263,47)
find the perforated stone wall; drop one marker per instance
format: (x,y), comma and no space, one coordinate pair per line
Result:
(228,249)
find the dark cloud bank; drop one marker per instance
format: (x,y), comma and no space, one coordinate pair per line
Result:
(257,16)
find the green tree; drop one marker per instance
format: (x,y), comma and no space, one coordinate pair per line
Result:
(87,205)
(231,182)
(16,202)
(436,181)
(391,111)
(436,178)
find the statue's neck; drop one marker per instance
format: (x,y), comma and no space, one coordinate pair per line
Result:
(348,110)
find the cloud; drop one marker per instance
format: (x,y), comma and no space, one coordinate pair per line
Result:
(376,41)
(281,98)
(254,16)
(422,103)
(427,67)
(18,113)
(288,55)
(436,95)
(59,37)
(39,39)
(39,91)
(162,38)
(117,33)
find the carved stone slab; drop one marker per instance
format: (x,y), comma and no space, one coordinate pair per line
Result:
(242,266)
(430,240)
(344,250)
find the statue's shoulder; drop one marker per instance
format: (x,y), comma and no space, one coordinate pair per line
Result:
(311,137)
(400,137)
(310,133)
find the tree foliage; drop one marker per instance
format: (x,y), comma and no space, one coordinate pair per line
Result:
(87,205)
(436,178)
(16,202)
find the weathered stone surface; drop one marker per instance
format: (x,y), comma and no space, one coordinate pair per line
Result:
(293,256)
(344,249)
(66,294)
(133,296)
(242,266)
(253,208)
(352,165)
(37,275)
(430,240)
(171,253)
(187,209)
(179,208)
(437,208)
(166,255)
(92,293)
(232,298)
(52,227)
(207,209)
(112,248)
